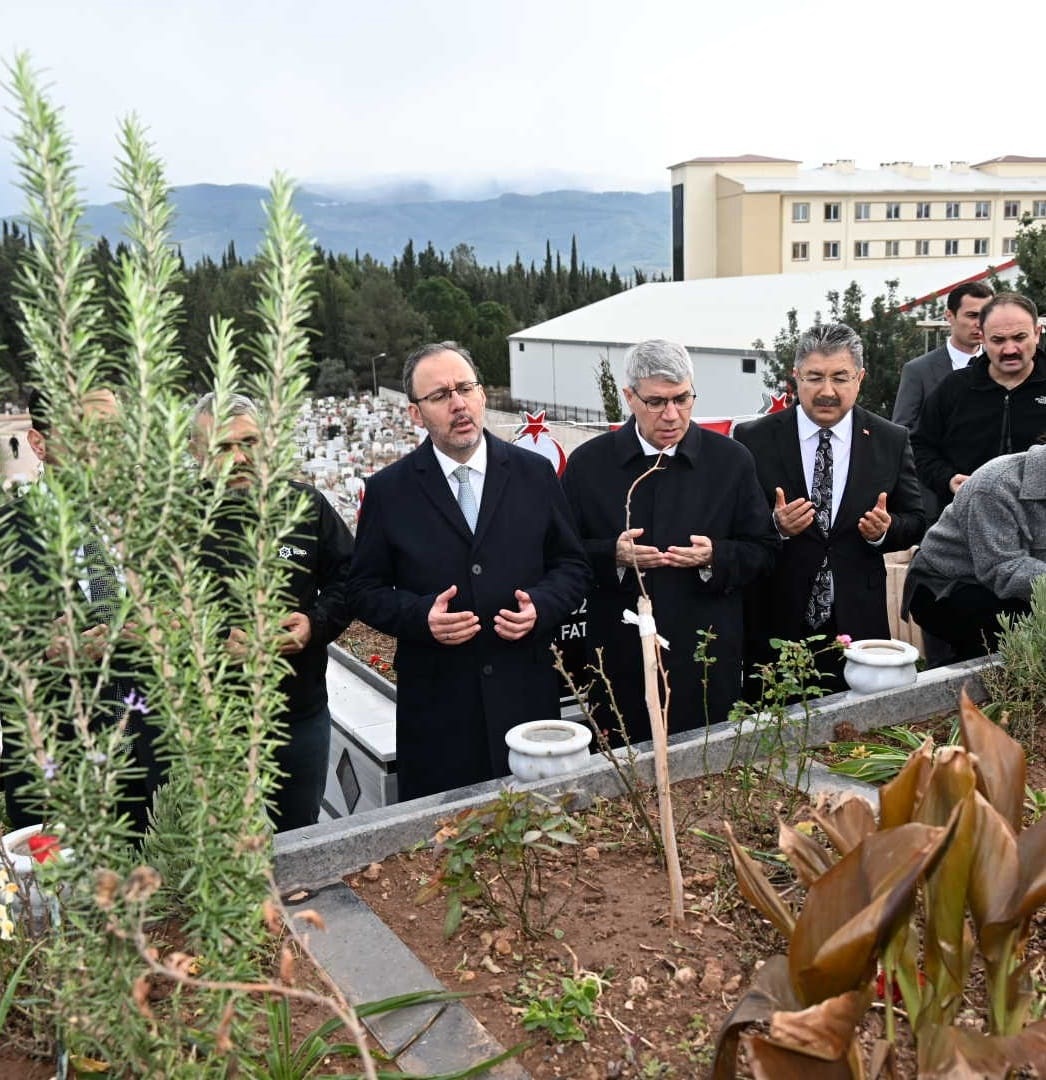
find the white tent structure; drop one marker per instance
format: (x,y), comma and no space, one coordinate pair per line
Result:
(717,319)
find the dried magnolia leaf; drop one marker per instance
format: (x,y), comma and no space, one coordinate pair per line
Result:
(1001,765)
(807,858)
(852,910)
(770,991)
(756,889)
(1031,858)
(771,1062)
(948,948)
(994,875)
(825,1030)
(899,798)
(950,1052)
(847,823)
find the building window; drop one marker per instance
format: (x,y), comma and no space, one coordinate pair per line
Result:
(800,251)
(831,211)
(980,247)
(922,210)
(951,210)
(922,247)
(982,210)
(747,365)
(678,236)
(522,346)
(892,248)
(861,249)
(1011,208)
(831,249)
(1038,208)
(801,211)
(951,247)
(893,211)
(1009,245)
(862,211)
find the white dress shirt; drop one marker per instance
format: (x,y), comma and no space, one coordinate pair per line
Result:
(842,437)
(477,470)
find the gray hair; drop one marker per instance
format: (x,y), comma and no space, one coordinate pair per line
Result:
(658,359)
(829,339)
(236,405)
(432,349)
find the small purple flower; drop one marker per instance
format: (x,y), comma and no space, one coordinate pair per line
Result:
(50,768)
(97,758)
(136,702)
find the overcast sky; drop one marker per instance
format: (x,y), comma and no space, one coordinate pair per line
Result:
(601,94)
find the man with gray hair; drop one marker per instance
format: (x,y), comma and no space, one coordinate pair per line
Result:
(696,531)
(842,490)
(318,555)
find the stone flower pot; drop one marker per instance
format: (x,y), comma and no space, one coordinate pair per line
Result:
(879,664)
(541,749)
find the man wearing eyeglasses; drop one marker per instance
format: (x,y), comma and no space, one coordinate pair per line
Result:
(466,552)
(842,490)
(697,533)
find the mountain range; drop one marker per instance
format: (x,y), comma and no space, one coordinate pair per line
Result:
(613,228)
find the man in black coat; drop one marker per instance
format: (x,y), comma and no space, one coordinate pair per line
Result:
(699,533)
(841,485)
(318,555)
(995,406)
(467,555)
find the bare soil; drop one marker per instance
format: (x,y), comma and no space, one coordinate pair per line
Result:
(666,990)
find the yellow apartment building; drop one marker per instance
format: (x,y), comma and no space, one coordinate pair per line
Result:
(734,216)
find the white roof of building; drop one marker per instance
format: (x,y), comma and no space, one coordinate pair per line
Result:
(730,313)
(940,181)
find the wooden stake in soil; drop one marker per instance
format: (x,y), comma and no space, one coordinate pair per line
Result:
(659,730)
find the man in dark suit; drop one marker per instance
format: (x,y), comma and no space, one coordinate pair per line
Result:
(699,532)
(466,552)
(921,375)
(841,485)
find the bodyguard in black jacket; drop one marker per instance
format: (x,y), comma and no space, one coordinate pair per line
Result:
(995,406)
(319,554)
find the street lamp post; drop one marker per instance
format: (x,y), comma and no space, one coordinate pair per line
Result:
(374,371)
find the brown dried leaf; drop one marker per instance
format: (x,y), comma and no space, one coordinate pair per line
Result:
(769,992)
(954,1052)
(769,1061)
(899,798)
(1001,766)
(808,859)
(1031,858)
(756,889)
(847,823)
(853,909)
(825,1030)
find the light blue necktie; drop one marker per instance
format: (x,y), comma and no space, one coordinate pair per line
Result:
(466,496)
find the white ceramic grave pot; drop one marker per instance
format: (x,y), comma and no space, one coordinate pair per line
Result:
(879,664)
(541,749)
(16,849)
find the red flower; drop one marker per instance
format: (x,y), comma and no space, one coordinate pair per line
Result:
(43,847)
(898,999)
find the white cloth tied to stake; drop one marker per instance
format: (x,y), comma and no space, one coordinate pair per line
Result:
(646,624)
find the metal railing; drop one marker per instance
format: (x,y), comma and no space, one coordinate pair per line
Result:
(505,402)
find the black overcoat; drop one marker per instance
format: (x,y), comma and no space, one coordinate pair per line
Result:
(455,703)
(708,488)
